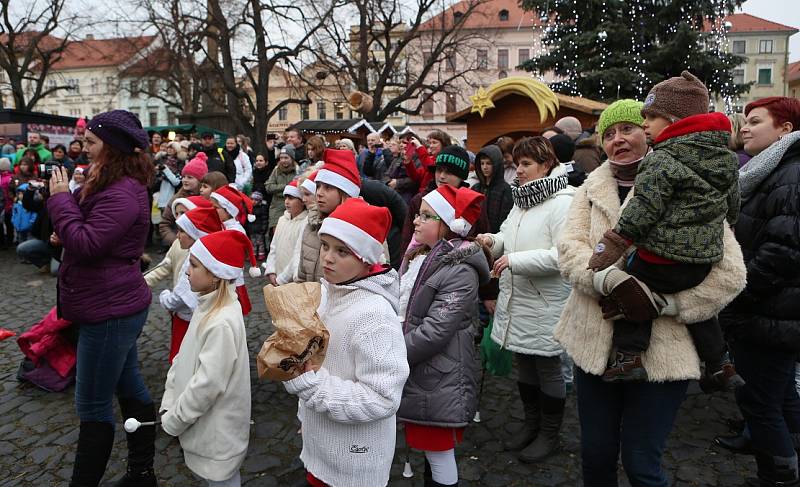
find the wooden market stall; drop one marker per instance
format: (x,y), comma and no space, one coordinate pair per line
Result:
(520,106)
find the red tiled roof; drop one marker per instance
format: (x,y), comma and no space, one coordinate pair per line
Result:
(742,23)
(485,16)
(91,53)
(23,39)
(793,72)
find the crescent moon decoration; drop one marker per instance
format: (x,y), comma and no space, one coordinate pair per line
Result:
(543,97)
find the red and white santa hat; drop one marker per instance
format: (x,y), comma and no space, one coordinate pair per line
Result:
(223,253)
(292,190)
(190,203)
(199,222)
(458,208)
(309,184)
(361,226)
(237,204)
(340,170)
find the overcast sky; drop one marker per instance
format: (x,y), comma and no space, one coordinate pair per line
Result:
(785,12)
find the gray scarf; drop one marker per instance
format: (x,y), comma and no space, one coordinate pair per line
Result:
(757,169)
(538,190)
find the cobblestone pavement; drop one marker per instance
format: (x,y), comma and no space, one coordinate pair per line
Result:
(38,430)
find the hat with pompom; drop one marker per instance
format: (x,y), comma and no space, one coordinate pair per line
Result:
(237,204)
(197,167)
(199,222)
(292,190)
(361,226)
(190,203)
(458,208)
(223,254)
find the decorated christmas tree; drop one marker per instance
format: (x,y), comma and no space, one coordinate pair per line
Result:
(611,49)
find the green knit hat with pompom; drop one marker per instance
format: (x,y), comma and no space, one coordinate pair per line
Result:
(626,110)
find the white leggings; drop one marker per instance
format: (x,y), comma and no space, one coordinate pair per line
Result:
(443,466)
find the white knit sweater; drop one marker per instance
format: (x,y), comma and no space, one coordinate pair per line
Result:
(207,393)
(348,407)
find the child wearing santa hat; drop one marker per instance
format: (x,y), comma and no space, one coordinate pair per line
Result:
(206,400)
(439,294)
(281,265)
(335,183)
(234,209)
(348,405)
(180,301)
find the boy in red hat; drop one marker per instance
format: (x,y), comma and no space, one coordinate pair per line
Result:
(336,182)
(348,405)
(439,293)
(206,400)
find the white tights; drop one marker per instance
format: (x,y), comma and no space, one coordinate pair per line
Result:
(443,466)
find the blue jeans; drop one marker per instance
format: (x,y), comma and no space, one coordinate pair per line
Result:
(108,364)
(769,401)
(635,418)
(38,253)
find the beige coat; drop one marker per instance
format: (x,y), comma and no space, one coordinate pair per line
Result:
(584,333)
(170,266)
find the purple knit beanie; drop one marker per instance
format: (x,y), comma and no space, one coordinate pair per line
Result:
(121,130)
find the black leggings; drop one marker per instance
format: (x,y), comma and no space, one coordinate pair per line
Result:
(634,337)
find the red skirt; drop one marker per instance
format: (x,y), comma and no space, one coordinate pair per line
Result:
(244,299)
(432,438)
(179,327)
(313,481)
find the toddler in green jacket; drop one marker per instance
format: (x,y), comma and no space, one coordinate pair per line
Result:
(683,193)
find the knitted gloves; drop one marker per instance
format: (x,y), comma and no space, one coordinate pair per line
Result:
(629,298)
(608,251)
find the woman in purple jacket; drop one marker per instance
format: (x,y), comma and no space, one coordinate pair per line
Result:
(103,228)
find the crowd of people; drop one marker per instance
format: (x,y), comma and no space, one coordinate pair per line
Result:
(621,261)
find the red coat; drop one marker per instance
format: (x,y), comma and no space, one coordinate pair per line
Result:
(43,341)
(423,174)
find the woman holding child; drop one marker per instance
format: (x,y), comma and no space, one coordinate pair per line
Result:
(631,417)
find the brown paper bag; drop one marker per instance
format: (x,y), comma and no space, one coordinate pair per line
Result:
(300,335)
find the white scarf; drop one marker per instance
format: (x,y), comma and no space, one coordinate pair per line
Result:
(757,169)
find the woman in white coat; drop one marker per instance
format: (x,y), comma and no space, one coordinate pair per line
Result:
(532,292)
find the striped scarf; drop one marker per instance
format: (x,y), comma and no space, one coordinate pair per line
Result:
(538,190)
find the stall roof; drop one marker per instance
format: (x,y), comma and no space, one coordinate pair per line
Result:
(187,128)
(10,115)
(342,125)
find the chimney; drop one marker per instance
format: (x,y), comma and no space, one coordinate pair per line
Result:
(89,37)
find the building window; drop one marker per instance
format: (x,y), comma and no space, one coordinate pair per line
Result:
(426,58)
(152,87)
(738,76)
(765,46)
(283,113)
(503,15)
(457,16)
(765,76)
(739,47)
(95,110)
(110,84)
(427,107)
(338,110)
(172,118)
(524,55)
(304,115)
(95,85)
(321,110)
(450,62)
(482,57)
(153,118)
(450,103)
(74,86)
(74,112)
(502,59)
(502,75)
(133,87)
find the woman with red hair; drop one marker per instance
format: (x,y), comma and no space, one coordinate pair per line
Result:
(763,323)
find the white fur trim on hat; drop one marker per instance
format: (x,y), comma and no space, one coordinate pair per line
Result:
(227,205)
(182,201)
(309,185)
(219,269)
(293,191)
(337,180)
(447,213)
(360,242)
(186,224)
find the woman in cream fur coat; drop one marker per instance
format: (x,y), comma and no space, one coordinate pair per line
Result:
(635,418)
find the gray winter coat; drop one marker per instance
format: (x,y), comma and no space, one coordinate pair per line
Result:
(439,331)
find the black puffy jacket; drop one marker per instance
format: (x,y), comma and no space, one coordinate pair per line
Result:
(767,312)
(498,202)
